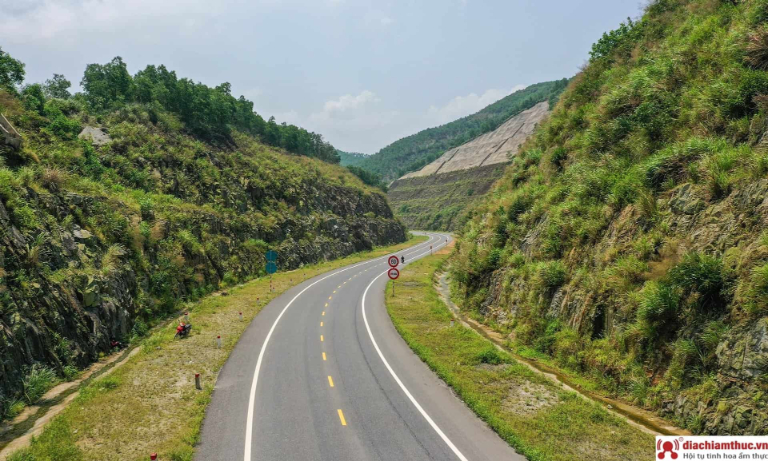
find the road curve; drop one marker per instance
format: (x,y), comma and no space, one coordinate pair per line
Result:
(322,374)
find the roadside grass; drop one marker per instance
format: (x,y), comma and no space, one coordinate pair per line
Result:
(150,404)
(533,414)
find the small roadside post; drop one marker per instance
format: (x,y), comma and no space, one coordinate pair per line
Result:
(271,266)
(393,273)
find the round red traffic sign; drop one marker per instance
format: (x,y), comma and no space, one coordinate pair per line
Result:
(394,261)
(393,273)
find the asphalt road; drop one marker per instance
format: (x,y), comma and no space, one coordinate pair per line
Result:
(322,374)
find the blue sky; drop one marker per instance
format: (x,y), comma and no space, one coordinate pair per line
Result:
(362,73)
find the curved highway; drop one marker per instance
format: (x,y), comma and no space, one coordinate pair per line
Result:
(322,374)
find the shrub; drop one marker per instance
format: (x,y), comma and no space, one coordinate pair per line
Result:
(37,382)
(65,128)
(659,310)
(757,49)
(701,274)
(491,356)
(552,274)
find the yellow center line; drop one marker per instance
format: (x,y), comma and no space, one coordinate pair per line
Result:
(321,338)
(330,297)
(323,313)
(321,323)
(341,417)
(324,358)
(330,381)
(326,304)
(334,291)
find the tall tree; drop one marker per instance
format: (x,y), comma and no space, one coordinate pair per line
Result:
(11,72)
(57,87)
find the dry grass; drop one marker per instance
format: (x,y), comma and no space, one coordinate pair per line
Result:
(150,404)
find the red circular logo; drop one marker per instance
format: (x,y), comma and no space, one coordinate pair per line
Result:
(394,273)
(394,261)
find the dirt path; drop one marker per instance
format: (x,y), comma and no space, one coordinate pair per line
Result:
(642,419)
(18,432)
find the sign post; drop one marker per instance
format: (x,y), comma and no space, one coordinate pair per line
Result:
(393,273)
(271,266)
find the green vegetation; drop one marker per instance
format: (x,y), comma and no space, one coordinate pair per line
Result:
(535,415)
(441,202)
(350,158)
(371,179)
(175,197)
(124,415)
(415,151)
(626,240)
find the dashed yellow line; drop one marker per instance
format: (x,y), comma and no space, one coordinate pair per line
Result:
(334,292)
(321,323)
(323,313)
(326,304)
(330,381)
(341,417)
(324,358)
(330,297)
(321,338)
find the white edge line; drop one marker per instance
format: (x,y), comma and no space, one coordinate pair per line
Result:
(400,383)
(252,397)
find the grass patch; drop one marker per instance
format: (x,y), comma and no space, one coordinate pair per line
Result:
(535,415)
(150,404)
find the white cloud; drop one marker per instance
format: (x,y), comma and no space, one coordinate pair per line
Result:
(350,102)
(461,106)
(386,20)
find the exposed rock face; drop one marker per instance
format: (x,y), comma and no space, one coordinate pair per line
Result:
(97,136)
(64,294)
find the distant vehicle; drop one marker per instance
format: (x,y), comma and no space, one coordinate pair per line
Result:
(402,259)
(182,331)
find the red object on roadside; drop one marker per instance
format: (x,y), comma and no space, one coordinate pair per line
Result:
(153,456)
(393,273)
(393,261)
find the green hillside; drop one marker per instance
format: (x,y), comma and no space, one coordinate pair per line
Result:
(180,193)
(628,241)
(415,151)
(351,158)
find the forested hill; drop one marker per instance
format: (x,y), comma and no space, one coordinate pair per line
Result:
(628,239)
(209,113)
(351,158)
(173,193)
(415,151)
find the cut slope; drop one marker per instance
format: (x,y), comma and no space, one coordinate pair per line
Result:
(98,241)
(415,151)
(627,239)
(498,146)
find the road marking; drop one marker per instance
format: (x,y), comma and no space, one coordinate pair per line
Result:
(334,292)
(330,297)
(255,382)
(326,304)
(323,313)
(324,359)
(330,381)
(341,417)
(321,323)
(321,338)
(397,379)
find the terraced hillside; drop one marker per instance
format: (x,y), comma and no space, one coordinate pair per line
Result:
(438,196)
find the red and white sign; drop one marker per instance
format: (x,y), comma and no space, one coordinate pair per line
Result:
(711,447)
(394,261)
(393,273)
